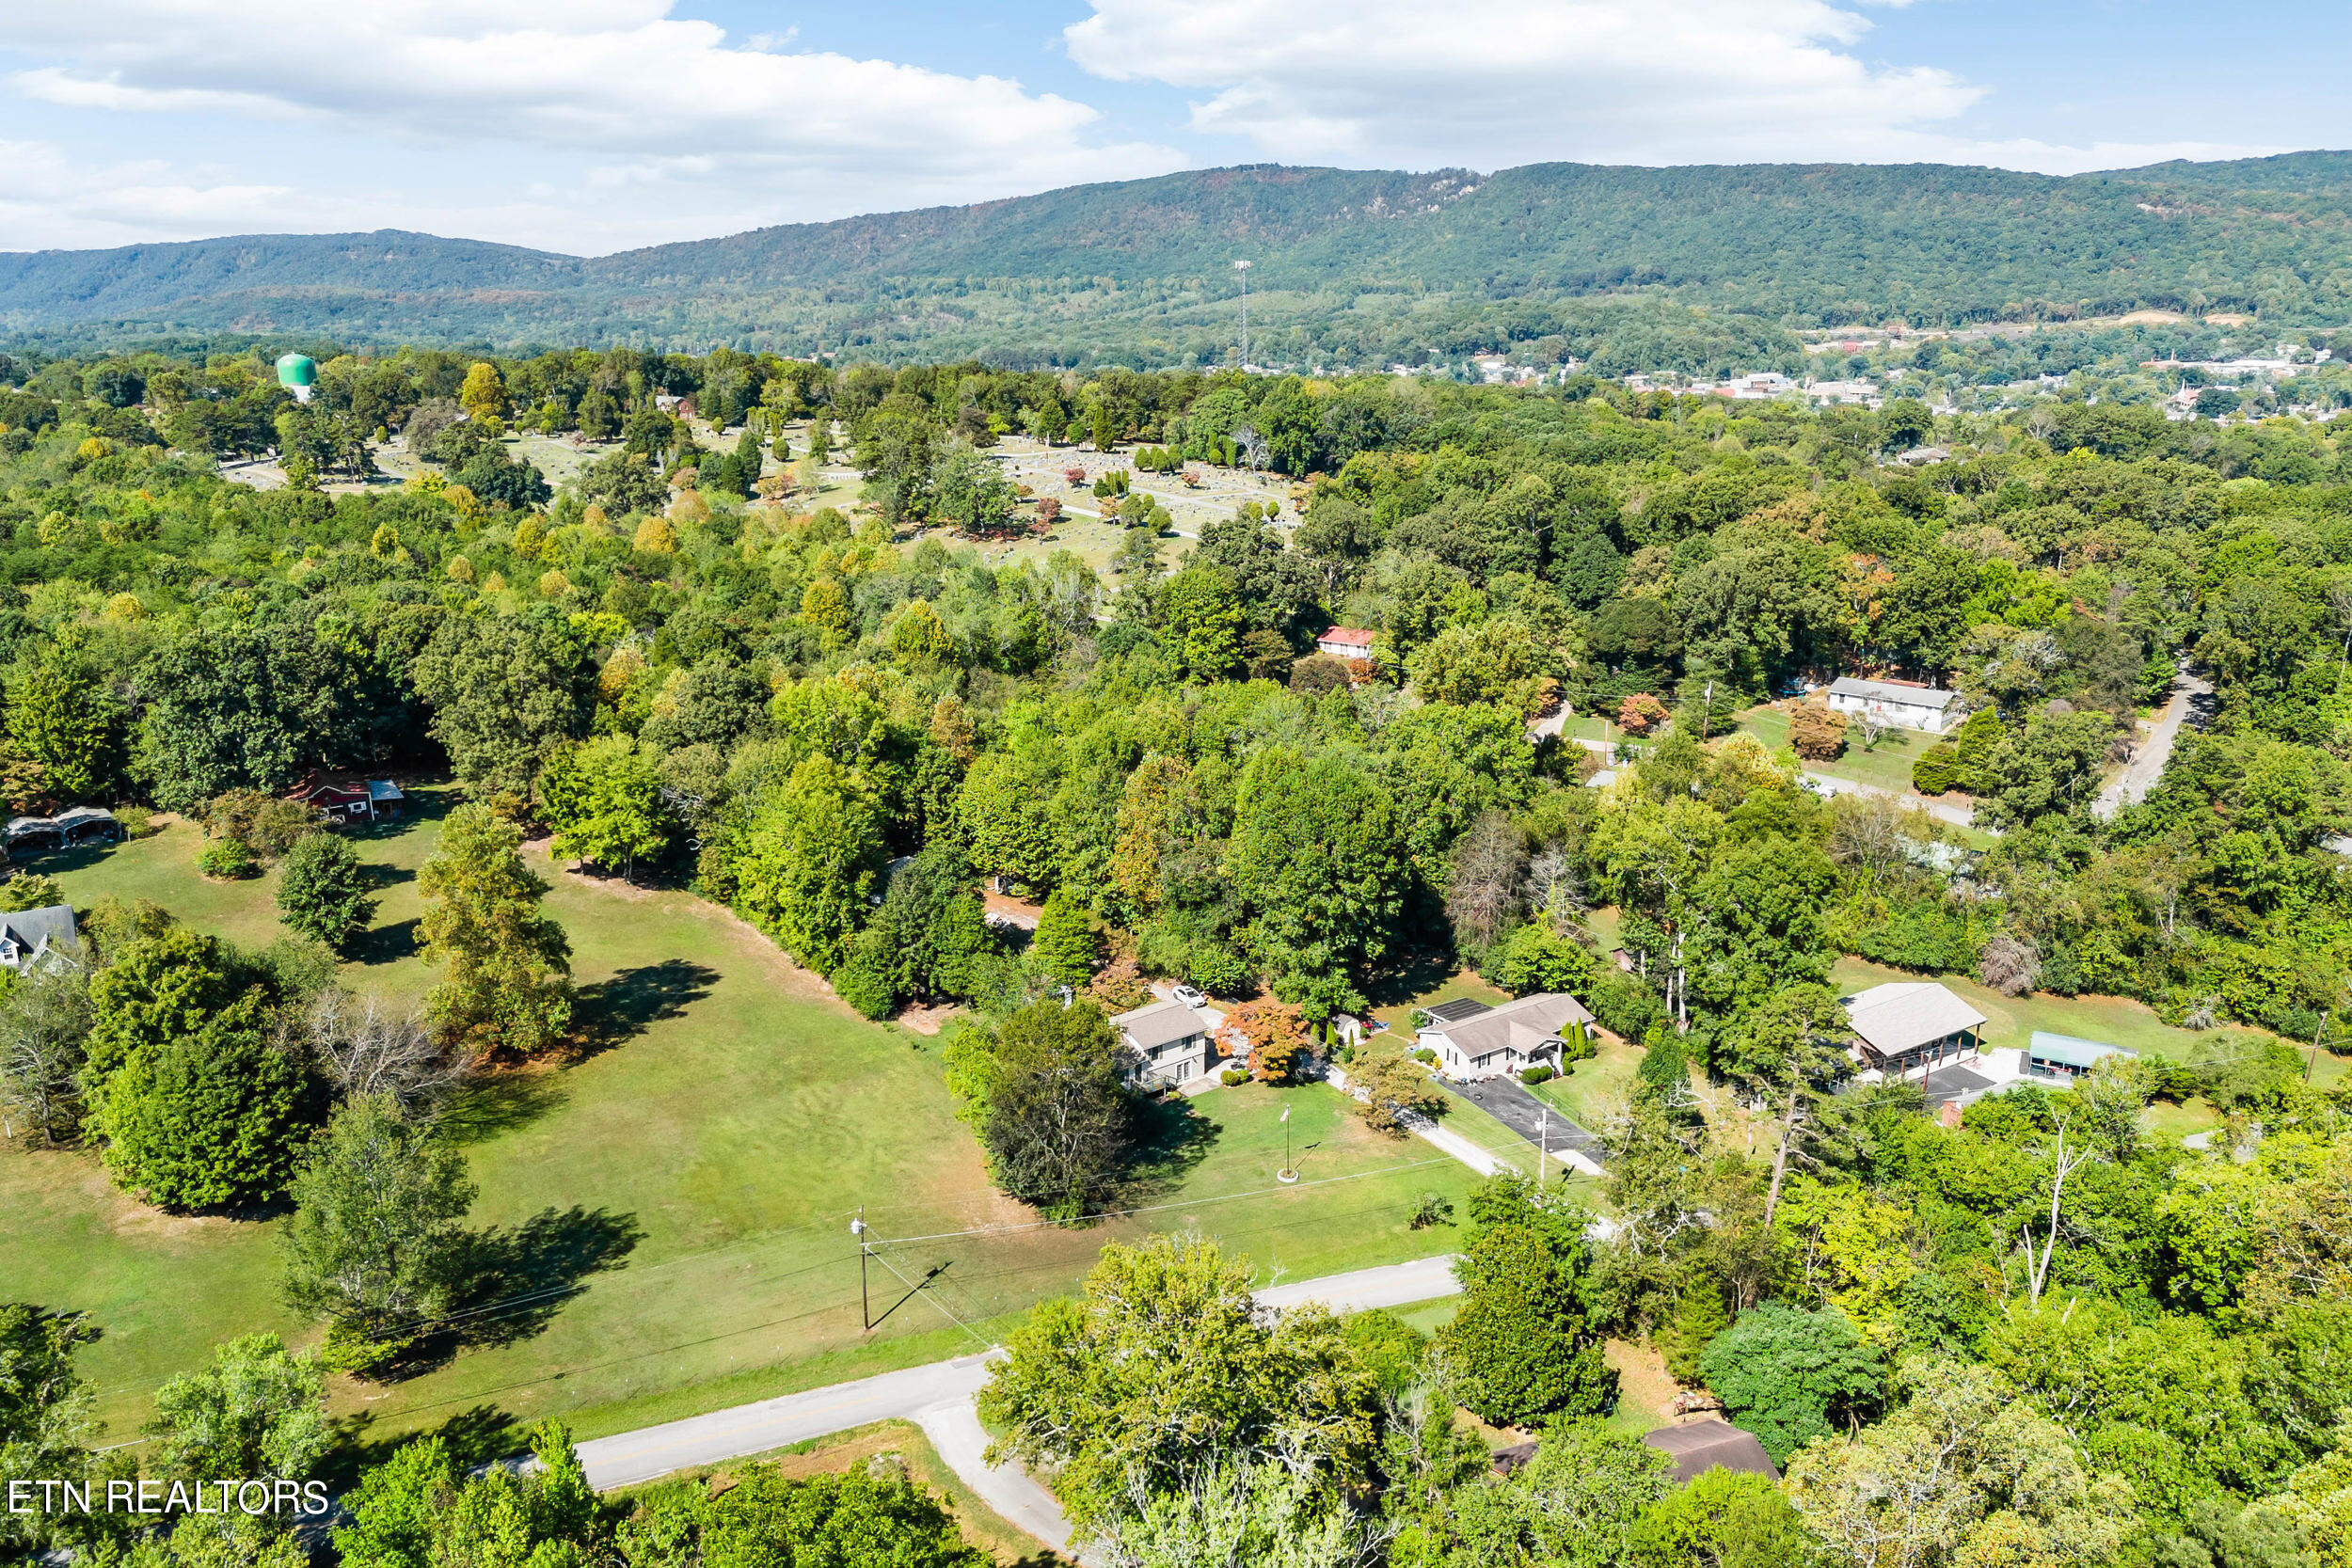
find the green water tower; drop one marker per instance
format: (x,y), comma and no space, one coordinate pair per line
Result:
(298,373)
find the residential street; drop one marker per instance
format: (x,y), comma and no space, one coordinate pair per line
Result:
(940,1397)
(2190,703)
(1509,1104)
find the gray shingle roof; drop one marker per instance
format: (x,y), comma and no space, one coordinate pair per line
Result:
(33,929)
(1903,1013)
(1521,1025)
(1161,1024)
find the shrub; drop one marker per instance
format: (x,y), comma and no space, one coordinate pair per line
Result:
(1640,714)
(134,821)
(1425,1055)
(227,859)
(26,891)
(864,982)
(1430,1208)
(1539,1074)
(1232,1076)
(1815,732)
(267,825)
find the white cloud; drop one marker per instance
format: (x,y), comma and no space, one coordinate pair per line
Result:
(638,95)
(1489,84)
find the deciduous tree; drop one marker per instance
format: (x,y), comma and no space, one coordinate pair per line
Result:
(373,1244)
(322,890)
(506,965)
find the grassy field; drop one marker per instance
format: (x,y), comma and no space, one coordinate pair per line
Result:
(1888,765)
(1590,1088)
(681,1191)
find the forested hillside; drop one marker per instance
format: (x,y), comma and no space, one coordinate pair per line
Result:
(1353,269)
(2070,1337)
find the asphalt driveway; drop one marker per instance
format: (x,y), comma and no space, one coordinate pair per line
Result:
(1507,1100)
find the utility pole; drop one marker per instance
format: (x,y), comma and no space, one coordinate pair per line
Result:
(864,1302)
(1243,268)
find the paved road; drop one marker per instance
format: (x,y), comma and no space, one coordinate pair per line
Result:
(2192,704)
(939,1399)
(1943,811)
(1395,1285)
(650,1451)
(1510,1104)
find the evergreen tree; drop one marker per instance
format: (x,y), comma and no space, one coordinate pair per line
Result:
(1066,944)
(1786,1374)
(62,718)
(1524,1348)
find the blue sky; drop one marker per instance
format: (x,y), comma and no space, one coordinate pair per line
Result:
(594,125)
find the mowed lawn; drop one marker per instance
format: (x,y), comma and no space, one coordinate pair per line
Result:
(1886,766)
(671,1209)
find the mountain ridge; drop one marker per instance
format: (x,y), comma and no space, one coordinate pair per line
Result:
(1345,261)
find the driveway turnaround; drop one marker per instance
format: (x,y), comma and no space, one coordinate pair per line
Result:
(939,1398)
(1509,1104)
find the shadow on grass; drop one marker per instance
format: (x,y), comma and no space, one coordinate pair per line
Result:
(1416,973)
(633,1001)
(480,1435)
(1172,1137)
(517,1278)
(62,863)
(485,1110)
(386,944)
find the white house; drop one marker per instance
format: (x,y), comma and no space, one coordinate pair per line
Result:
(1909,1028)
(1928,708)
(1475,1041)
(1169,1039)
(1346,642)
(33,937)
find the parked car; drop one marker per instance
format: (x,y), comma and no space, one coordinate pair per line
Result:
(1191,995)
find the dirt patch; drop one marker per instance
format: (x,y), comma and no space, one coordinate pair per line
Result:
(2151,318)
(127,1216)
(1009,911)
(928,1021)
(1645,1389)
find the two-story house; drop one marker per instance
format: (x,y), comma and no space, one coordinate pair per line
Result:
(1171,1041)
